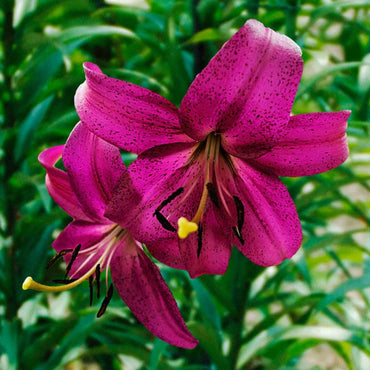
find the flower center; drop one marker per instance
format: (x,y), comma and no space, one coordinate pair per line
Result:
(108,245)
(212,150)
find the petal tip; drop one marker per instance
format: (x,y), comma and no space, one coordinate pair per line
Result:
(91,67)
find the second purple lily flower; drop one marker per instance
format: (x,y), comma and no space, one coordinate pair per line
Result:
(92,243)
(207,173)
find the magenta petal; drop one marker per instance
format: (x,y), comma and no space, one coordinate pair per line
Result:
(271,229)
(141,286)
(246,91)
(88,235)
(128,116)
(313,143)
(152,178)
(94,168)
(58,185)
(208,250)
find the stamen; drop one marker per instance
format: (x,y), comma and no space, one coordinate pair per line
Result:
(213,194)
(91,278)
(58,256)
(29,283)
(74,256)
(240,211)
(185,227)
(169,199)
(200,242)
(164,222)
(212,149)
(97,278)
(106,301)
(238,234)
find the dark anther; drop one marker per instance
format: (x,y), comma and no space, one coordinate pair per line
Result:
(57,256)
(106,301)
(238,234)
(169,199)
(74,255)
(91,278)
(240,211)
(213,194)
(200,242)
(97,278)
(63,281)
(164,222)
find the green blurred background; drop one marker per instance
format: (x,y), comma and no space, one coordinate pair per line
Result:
(311,312)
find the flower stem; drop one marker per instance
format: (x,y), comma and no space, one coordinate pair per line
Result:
(244,272)
(291,18)
(252,7)
(9,166)
(198,48)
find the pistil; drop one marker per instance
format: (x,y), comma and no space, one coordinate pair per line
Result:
(29,283)
(186,227)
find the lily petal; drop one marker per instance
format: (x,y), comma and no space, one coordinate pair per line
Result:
(87,235)
(94,168)
(271,228)
(151,179)
(313,143)
(58,185)
(246,91)
(208,250)
(141,286)
(126,115)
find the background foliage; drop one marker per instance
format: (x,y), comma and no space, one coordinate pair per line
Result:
(311,312)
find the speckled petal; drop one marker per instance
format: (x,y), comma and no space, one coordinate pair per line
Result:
(128,116)
(58,185)
(313,143)
(141,286)
(271,229)
(94,168)
(246,91)
(208,250)
(151,179)
(88,235)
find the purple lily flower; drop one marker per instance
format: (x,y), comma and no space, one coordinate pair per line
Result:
(207,173)
(93,170)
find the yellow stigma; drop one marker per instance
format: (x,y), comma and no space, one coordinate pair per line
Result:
(185,227)
(29,283)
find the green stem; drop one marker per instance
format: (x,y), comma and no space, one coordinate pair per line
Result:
(291,18)
(198,48)
(252,7)
(237,325)
(9,166)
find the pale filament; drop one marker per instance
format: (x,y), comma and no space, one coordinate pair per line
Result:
(212,154)
(212,149)
(29,283)
(221,188)
(112,234)
(192,187)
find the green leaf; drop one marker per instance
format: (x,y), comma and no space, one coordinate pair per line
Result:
(207,339)
(206,305)
(71,340)
(9,342)
(362,282)
(276,334)
(29,126)
(85,32)
(209,34)
(158,348)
